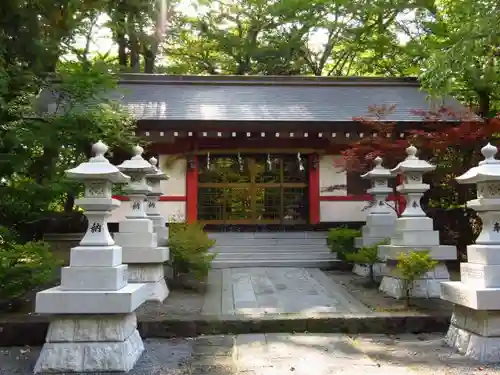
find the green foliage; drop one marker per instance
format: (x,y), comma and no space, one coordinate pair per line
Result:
(412,266)
(367,255)
(189,245)
(38,147)
(341,241)
(24,267)
(461,53)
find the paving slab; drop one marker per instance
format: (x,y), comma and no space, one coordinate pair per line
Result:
(270,290)
(282,354)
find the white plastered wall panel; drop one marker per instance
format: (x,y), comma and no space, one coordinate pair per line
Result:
(330,175)
(337,211)
(175,168)
(342,211)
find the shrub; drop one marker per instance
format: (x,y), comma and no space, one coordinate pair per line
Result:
(412,266)
(24,267)
(189,246)
(341,241)
(367,255)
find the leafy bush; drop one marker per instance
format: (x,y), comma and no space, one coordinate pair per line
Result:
(367,255)
(189,246)
(412,266)
(341,241)
(24,267)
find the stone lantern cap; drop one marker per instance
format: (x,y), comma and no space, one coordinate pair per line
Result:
(378,171)
(97,168)
(136,163)
(412,163)
(157,174)
(487,170)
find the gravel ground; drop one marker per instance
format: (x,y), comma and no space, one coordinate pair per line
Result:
(369,295)
(282,354)
(178,303)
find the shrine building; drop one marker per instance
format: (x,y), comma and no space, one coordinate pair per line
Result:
(248,151)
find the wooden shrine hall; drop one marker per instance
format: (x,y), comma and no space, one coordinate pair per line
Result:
(261,150)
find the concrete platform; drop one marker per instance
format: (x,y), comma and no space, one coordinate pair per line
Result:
(280,290)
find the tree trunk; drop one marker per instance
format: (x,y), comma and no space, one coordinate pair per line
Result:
(484,104)
(122,50)
(69,202)
(134,54)
(121,34)
(407,297)
(149,54)
(372,276)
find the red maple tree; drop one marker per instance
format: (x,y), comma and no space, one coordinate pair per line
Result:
(450,140)
(441,132)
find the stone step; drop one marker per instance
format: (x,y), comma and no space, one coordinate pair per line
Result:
(223,241)
(273,256)
(274,249)
(322,263)
(274,235)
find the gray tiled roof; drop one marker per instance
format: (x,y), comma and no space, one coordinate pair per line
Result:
(251,98)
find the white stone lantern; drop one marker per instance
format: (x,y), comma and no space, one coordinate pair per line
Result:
(154,179)
(136,236)
(414,231)
(381,217)
(93,327)
(473,330)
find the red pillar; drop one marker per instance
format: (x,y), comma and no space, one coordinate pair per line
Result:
(313,189)
(400,197)
(192,190)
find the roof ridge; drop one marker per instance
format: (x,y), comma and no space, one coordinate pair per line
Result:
(163,79)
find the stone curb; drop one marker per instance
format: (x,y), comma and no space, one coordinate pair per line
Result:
(31,330)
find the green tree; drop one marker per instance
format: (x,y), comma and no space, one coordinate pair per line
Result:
(413,266)
(38,146)
(463,53)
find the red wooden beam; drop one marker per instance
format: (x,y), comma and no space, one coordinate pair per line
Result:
(313,189)
(192,190)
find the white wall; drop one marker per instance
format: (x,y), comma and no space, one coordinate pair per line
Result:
(340,211)
(174,186)
(329,175)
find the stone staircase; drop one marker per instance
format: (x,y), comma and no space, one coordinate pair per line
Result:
(272,249)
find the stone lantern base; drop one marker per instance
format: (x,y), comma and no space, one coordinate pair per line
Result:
(90,343)
(152,276)
(160,229)
(144,258)
(364,270)
(426,287)
(377,229)
(475,334)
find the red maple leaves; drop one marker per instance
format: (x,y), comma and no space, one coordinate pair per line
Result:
(438,132)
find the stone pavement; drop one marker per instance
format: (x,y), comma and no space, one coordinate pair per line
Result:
(235,291)
(282,354)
